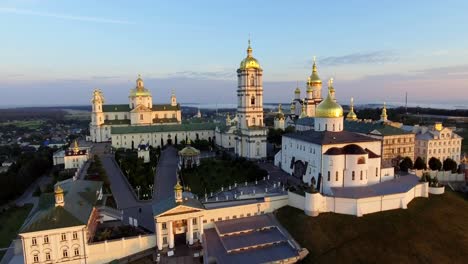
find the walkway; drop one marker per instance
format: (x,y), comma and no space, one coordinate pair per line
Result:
(166,174)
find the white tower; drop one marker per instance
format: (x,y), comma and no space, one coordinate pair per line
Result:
(97,116)
(251,138)
(174,99)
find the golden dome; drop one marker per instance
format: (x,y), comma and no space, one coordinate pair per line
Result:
(314,78)
(351,115)
(297,91)
(178,187)
(328,108)
(249,62)
(58,190)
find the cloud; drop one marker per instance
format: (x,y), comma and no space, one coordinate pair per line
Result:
(63,16)
(375,57)
(217,75)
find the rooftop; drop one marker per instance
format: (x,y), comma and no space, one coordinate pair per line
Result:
(80,197)
(399,185)
(329,138)
(163,128)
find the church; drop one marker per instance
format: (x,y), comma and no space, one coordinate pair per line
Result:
(329,156)
(142,122)
(140,111)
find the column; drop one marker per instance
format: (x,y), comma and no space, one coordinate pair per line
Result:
(200,228)
(190,231)
(170,234)
(159,240)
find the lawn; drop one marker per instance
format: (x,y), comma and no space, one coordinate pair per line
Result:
(431,230)
(11,221)
(213,173)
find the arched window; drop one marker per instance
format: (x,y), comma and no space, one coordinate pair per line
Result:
(361,160)
(352,175)
(376,172)
(333,127)
(252,100)
(336,176)
(65,253)
(325,127)
(328,176)
(361,175)
(252,80)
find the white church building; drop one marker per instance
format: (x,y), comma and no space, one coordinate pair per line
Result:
(330,157)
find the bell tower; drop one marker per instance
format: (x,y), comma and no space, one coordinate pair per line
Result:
(251,139)
(97,115)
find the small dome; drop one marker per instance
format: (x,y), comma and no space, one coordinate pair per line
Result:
(178,187)
(297,91)
(58,190)
(314,78)
(351,115)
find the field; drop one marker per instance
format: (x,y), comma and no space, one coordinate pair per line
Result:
(11,222)
(31,124)
(431,230)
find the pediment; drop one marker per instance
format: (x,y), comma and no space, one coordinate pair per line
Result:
(141,108)
(180,209)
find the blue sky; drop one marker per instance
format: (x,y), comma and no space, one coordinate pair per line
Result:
(56,52)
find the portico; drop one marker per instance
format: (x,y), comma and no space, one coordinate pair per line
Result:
(177,216)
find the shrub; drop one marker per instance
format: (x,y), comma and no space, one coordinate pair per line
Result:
(419,164)
(435,164)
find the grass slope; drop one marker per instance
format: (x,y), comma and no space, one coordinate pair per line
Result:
(10,223)
(433,230)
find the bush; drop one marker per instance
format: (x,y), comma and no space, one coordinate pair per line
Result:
(435,164)
(450,165)
(406,164)
(419,164)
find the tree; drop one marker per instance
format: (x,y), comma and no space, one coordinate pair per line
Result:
(419,164)
(450,165)
(406,164)
(435,164)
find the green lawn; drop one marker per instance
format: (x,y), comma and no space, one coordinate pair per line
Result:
(11,222)
(214,173)
(431,230)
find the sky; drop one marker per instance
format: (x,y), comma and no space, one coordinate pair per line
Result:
(56,52)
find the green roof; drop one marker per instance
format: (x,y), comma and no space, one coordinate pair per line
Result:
(126,107)
(116,108)
(371,128)
(79,196)
(117,122)
(163,128)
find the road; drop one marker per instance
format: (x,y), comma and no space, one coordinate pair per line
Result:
(165,179)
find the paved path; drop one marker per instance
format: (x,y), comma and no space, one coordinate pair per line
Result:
(165,179)
(166,174)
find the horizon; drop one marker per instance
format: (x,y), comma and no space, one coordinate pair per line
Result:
(376,52)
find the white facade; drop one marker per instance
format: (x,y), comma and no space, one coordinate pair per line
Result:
(140,111)
(437,141)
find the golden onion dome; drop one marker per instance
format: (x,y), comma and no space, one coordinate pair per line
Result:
(178,187)
(249,62)
(58,190)
(314,78)
(280,114)
(297,91)
(328,108)
(351,115)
